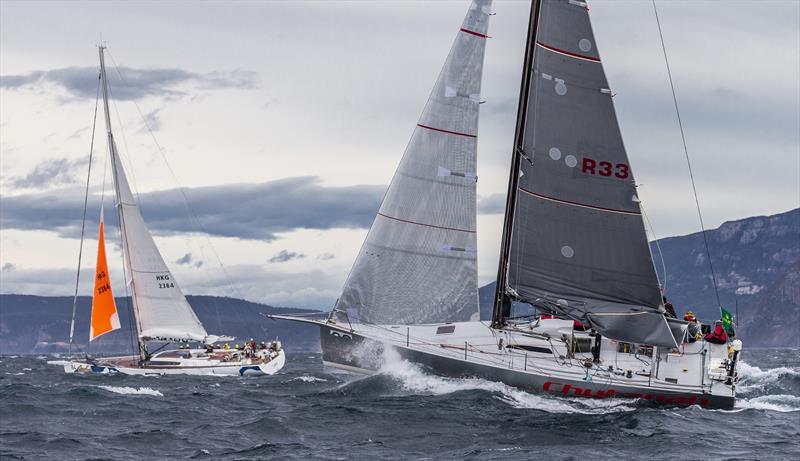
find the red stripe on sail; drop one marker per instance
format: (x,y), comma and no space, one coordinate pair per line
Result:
(446,131)
(568,53)
(426,225)
(584,205)
(472,32)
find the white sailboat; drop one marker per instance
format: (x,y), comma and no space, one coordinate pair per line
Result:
(574,244)
(161,311)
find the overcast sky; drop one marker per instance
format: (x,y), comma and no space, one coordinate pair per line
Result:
(284,121)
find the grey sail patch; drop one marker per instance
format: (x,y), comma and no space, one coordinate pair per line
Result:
(636,327)
(418,263)
(442,172)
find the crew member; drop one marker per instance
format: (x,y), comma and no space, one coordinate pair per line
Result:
(719,335)
(693,330)
(669,309)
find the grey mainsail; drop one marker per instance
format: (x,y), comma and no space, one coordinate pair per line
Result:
(418,263)
(577,240)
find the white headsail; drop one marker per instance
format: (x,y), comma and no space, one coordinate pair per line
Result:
(161,309)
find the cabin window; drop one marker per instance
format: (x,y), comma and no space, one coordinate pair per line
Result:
(581,345)
(625,348)
(446,329)
(629,348)
(543,350)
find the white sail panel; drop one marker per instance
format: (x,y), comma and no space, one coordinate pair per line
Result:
(419,261)
(161,309)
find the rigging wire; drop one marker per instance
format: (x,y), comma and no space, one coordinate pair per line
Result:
(188,206)
(130,302)
(83,221)
(686,152)
(658,247)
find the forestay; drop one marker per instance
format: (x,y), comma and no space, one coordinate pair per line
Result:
(578,244)
(419,261)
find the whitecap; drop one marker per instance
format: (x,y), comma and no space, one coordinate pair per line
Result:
(309,379)
(782,403)
(754,378)
(132,390)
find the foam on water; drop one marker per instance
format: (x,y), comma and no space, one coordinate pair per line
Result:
(309,379)
(416,381)
(132,390)
(775,402)
(753,378)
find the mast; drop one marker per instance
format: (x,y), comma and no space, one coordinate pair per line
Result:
(502,304)
(120,209)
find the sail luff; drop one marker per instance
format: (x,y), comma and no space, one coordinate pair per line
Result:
(502,305)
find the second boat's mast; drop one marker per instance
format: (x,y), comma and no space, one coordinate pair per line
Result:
(119,205)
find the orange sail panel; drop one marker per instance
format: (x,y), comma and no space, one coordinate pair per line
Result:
(104,309)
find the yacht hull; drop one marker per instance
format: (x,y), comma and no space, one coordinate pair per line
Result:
(345,349)
(129,366)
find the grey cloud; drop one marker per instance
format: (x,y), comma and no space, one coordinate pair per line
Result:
(246,211)
(189,260)
(325,256)
(185,259)
(81,82)
(51,172)
(152,121)
(493,204)
(284,256)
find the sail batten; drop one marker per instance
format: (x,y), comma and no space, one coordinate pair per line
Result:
(418,263)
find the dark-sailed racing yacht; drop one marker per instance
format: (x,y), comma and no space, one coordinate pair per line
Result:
(574,244)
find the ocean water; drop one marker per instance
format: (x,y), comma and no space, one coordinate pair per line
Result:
(310,412)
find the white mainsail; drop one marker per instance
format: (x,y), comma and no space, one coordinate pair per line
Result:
(161,310)
(419,261)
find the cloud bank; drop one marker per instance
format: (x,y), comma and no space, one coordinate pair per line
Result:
(245,211)
(128,83)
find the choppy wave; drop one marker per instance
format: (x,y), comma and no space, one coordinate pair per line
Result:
(309,379)
(781,402)
(415,380)
(774,380)
(401,413)
(125,390)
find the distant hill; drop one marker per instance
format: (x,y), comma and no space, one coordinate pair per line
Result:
(757,264)
(40,324)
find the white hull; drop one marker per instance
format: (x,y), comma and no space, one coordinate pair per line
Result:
(163,364)
(543,359)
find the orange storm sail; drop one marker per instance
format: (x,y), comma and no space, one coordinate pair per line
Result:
(104,309)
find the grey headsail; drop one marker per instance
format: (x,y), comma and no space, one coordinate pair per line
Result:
(578,244)
(418,263)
